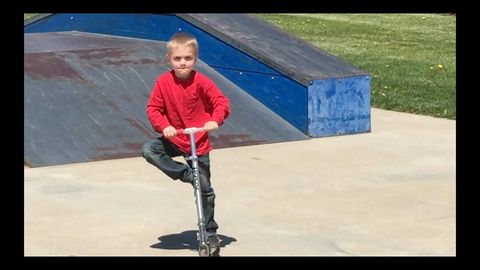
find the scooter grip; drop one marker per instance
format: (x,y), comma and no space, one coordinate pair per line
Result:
(191,130)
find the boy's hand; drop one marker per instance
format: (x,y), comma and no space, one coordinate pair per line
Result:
(210,126)
(169,132)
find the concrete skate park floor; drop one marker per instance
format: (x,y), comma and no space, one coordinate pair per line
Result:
(391,191)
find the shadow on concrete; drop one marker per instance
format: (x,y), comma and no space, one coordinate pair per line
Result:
(187,240)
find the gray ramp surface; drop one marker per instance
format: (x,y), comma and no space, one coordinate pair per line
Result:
(85,96)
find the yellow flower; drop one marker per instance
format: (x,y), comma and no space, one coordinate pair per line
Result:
(440,66)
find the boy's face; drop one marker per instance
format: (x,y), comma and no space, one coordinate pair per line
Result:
(182,59)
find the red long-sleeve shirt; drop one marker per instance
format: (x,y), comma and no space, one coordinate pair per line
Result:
(184,104)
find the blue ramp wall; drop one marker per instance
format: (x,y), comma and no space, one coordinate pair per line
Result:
(330,104)
(339,106)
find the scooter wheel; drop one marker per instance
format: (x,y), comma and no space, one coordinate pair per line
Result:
(215,252)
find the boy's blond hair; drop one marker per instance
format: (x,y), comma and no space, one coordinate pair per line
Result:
(182,39)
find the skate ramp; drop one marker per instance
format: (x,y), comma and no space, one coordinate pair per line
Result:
(318,93)
(85,96)
(331,96)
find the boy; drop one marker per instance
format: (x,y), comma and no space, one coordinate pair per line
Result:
(183,98)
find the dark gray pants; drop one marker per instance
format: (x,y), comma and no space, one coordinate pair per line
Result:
(159,153)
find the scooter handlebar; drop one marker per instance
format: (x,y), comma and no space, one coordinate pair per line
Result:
(191,130)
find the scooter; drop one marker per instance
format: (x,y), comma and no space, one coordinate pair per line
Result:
(203,244)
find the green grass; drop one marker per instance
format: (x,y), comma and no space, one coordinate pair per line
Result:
(410,57)
(27,16)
